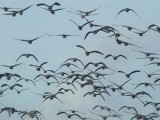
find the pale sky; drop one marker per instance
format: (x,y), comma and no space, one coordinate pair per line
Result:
(55,50)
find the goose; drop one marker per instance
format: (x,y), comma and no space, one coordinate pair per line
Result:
(49,6)
(87,53)
(27,55)
(29,41)
(80,27)
(126,10)
(12,66)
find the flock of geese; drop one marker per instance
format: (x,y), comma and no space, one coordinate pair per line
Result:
(75,75)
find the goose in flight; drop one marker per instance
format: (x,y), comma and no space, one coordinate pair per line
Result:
(49,6)
(8,8)
(11,87)
(38,67)
(127,10)
(129,74)
(27,55)
(63,35)
(87,53)
(19,11)
(12,66)
(115,57)
(29,41)
(53,11)
(147,54)
(80,27)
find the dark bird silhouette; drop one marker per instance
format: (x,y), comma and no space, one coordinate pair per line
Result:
(149,58)
(26,80)
(49,7)
(46,76)
(68,115)
(145,84)
(7,8)
(66,90)
(120,87)
(29,41)
(115,57)
(80,27)
(125,43)
(9,75)
(129,108)
(51,96)
(129,74)
(87,13)
(11,66)
(147,54)
(53,11)
(20,11)
(154,27)
(27,55)
(87,53)
(128,27)
(64,35)
(104,108)
(141,33)
(152,63)
(126,10)
(68,83)
(19,91)
(11,87)
(38,67)
(91,24)
(10,110)
(74,60)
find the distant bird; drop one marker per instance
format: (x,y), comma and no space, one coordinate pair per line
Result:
(149,58)
(125,43)
(128,27)
(115,57)
(93,32)
(11,87)
(29,41)
(87,13)
(146,53)
(66,90)
(117,35)
(46,76)
(68,115)
(38,67)
(80,27)
(141,33)
(126,10)
(145,84)
(27,55)
(91,24)
(26,80)
(19,91)
(74,60)
(49,7)
(53,10)
(152,63)
(11,66)
(20,11)
(68,83)
(87,53)
(156,28)
(129,74)
(129,108)
(120,87)
(9,75)
(7,8)
(63,35)
(52,96)
(84,14)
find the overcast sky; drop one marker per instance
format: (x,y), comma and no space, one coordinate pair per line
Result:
(55,50)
